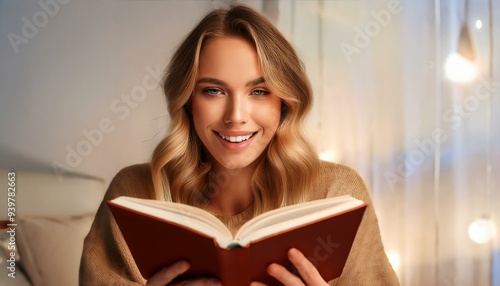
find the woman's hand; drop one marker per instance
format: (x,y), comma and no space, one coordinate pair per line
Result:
(167,274)
(307,271)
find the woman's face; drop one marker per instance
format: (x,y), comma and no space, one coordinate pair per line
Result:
(234,113)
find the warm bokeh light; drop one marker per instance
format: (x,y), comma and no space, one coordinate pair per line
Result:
(460,69)
(328,155)
(394,260)
(479,24)
(481,230)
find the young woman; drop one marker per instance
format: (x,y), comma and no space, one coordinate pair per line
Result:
(237,95)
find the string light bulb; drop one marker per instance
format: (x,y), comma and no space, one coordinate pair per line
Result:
(482,230)
(479,24)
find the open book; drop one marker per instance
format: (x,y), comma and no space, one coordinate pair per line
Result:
(160,233)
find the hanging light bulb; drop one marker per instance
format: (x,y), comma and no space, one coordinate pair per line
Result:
(482,230)
(460,65)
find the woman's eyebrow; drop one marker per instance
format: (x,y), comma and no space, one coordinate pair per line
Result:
(223,83)
(256,81)
(211,80)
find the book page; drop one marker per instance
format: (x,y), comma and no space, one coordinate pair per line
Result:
(181,214)
(278,220)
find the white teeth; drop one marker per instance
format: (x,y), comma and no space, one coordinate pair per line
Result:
(235,139)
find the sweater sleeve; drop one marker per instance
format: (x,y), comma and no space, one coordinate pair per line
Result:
(106,259)
(367,263)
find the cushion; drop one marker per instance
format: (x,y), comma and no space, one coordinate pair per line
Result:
(46,194)
(50,248)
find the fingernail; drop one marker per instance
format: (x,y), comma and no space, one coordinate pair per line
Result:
(271,269)
(183,265)
(293,252)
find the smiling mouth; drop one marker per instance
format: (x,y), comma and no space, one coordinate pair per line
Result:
(236,139)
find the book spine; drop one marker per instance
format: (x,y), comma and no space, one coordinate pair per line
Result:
(234,266)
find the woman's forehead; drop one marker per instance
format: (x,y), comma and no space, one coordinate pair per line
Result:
(227,58)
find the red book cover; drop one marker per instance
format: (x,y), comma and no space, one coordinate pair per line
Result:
(157,242)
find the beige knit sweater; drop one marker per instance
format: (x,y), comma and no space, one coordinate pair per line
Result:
(106,259)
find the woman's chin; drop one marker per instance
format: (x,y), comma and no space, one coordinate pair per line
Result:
(237,165)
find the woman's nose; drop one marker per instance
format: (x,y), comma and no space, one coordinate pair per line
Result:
(236,110)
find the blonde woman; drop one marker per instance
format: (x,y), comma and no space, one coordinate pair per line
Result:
(237,96)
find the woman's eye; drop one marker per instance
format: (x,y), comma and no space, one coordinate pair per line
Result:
(212,91)
(259,92)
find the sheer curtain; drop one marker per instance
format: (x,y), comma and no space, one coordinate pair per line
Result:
(428,147)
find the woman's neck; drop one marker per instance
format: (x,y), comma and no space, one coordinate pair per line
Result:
(230,191)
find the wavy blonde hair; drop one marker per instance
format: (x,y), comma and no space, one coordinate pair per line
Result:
(288,170)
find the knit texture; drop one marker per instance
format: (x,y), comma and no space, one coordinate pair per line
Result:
(106,259)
